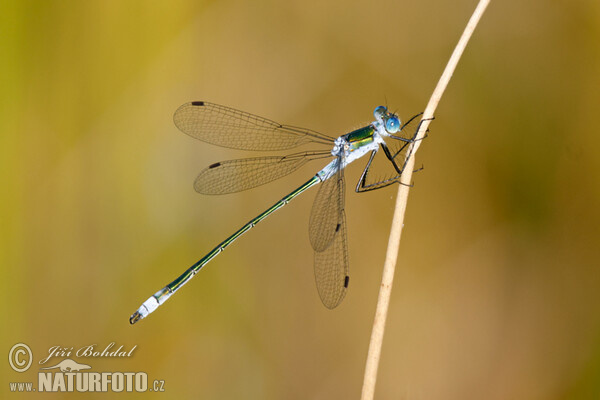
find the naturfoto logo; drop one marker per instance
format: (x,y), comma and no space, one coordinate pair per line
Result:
(68,375)
(70,379)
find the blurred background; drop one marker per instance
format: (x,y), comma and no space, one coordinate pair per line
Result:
(497,288)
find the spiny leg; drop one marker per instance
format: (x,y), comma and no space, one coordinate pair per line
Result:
(391,158)
(411,140)
(360,186)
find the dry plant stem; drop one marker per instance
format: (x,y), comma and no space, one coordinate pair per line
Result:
(389,266)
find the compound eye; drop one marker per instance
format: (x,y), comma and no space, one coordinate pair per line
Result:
(392,125)
(380,112)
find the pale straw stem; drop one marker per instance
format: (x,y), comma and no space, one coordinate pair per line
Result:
(389,266)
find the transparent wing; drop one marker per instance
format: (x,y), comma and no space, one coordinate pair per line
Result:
(228,127)
(237,175)
(381,172)
(331,268)
(326,210)
(328,236)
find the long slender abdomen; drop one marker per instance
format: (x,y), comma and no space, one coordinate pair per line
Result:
(163,295)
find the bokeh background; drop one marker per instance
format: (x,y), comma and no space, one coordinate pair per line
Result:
(497,289)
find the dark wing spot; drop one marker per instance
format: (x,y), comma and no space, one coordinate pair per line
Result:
(215,165)
(346,281)
(337,228)
(197,103)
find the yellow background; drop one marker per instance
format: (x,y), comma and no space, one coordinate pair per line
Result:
(497,289)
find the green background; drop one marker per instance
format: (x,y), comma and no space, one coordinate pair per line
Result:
(497,288)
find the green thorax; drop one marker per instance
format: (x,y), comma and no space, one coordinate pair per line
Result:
(360,137)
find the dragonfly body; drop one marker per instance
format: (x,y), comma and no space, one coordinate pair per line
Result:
(356,144)
(363,138)
(217,124)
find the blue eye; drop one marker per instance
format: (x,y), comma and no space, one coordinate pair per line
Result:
(392,125)
(380,112)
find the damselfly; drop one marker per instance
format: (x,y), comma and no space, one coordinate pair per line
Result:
(227,127)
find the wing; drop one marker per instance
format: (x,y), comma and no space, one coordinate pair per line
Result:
(331,268)
(228,127)
(328,230)
(237,175)
(326,210)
